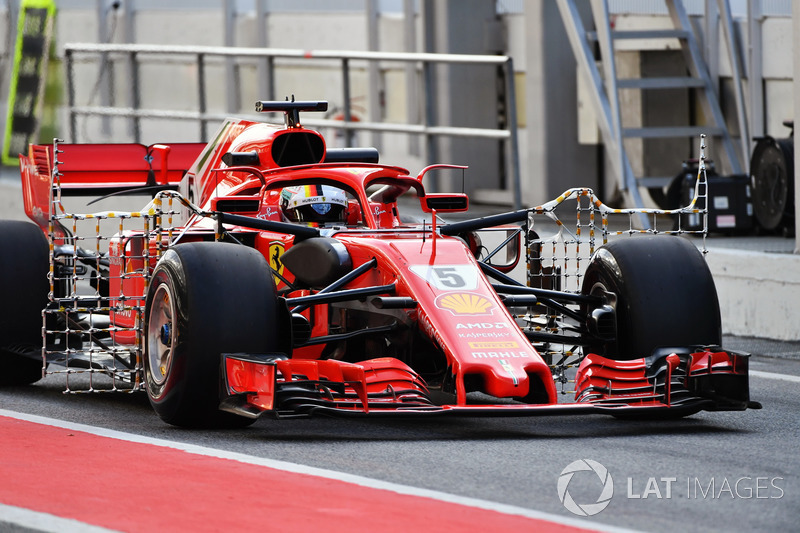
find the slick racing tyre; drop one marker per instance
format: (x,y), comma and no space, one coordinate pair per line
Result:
(662,292)
(24,264)
(205,299)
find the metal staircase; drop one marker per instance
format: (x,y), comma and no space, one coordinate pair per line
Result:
(605,85)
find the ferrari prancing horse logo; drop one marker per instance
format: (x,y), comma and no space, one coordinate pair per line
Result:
(275,252)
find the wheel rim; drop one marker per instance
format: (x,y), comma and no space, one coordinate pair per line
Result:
(161,334)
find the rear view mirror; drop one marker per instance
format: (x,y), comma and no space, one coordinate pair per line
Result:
(505,245)
(445,202)
(241,159)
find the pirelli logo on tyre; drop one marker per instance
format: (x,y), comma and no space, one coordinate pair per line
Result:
(465,303)
(494,345)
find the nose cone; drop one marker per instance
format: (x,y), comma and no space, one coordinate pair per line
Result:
(507,381)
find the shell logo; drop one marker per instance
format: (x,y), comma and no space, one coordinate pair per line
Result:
(465,303)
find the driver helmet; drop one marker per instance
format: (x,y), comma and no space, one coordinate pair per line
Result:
(319,204)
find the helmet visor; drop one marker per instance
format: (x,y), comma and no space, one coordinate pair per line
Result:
(319,213)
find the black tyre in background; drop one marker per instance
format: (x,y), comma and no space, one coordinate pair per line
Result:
(24,264)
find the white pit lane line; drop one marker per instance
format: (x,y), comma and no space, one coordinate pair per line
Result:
(45,522)
(770,375)
(287,467)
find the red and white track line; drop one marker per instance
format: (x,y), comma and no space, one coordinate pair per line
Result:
(62,476)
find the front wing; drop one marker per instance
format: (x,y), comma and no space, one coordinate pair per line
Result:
(674,384)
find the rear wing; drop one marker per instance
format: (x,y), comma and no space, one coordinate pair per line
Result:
(99,169)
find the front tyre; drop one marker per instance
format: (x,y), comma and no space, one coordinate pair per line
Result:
(205,299)
(662,292)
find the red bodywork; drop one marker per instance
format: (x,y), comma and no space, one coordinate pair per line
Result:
(456,310)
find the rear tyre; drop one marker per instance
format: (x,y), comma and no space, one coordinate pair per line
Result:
(664,292)
(205,299)
(24,264)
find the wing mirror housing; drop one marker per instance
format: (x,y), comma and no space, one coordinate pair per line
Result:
(241,159)
(445,202)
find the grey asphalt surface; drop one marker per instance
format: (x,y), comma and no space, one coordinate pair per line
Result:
(518,461)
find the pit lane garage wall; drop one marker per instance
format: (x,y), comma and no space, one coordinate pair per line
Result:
(551,116)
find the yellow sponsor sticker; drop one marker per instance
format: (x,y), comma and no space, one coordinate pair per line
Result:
(494,345)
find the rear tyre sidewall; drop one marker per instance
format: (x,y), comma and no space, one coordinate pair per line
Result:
(24,265)
(224,302)
(665,295)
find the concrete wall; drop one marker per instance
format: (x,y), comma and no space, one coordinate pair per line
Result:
(796,102)
(758,292)
(466,95)
(551,159)
(556,161)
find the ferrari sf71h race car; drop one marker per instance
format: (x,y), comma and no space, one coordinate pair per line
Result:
(270,274)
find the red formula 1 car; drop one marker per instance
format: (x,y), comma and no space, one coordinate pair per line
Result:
(271,274)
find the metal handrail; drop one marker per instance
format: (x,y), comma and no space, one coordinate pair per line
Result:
(201,53)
